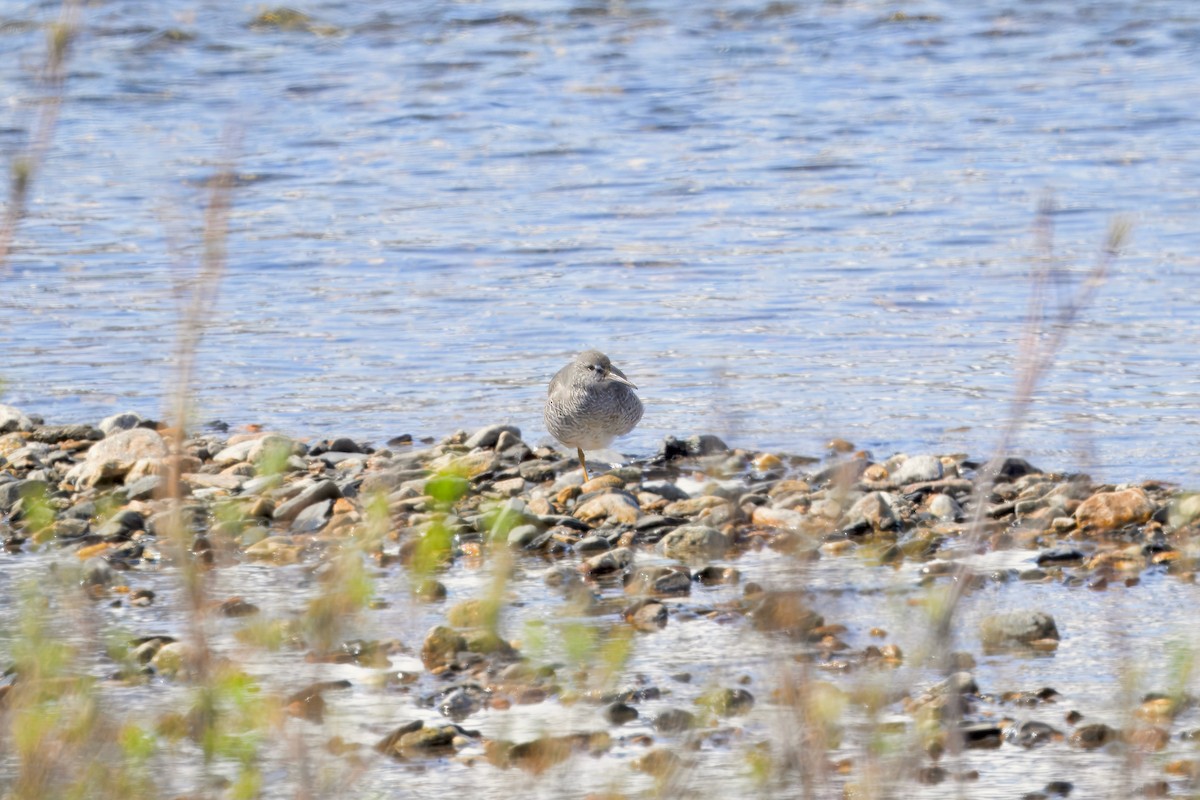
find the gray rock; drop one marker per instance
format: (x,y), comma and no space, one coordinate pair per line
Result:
(876,509)
(11,419)
(608,563)
(98,572)
(487,437)
(321,490)
(1017,627)
(918,469)
(674,720)
(944,507)
(144,488)
(592,544)
(313,517)
(620,713)
(13,491)
(53,434)
(693,540)
(120,422)
(666,490)
(111,458)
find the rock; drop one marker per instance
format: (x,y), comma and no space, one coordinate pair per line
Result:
(781,518)
(693,506)
(313,518)
(646,615)
(674,720)
(874,509)
(918,469)
(1030,734)
(321,490)
(116,423)
(694,540)
(981,735)
(442,645)
(427,740)
(1060,557)
(1006,469)
(785,612)
(617,508)
(728,702)
(98,572)
(170,659)
(702,445)
(254,449)
(116,455)
(53,434)
(487,437)
(13,491)
(614,560)
(620,713)
(1090,737)
(944,507)
(1107,510)
(659,580)
(1184,510)
(1017,628)
(11,419)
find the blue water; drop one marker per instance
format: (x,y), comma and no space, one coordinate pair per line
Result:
(784,221)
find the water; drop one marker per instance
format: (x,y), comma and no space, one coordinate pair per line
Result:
(785,221)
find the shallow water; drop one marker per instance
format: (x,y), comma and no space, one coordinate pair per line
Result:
(785,221)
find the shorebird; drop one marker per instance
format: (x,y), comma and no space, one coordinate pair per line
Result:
(590,403)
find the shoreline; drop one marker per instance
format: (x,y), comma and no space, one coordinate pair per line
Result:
(447,540)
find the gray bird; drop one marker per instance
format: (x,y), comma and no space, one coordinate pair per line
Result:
(590,403)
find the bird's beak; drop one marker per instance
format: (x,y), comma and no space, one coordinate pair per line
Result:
(615,374)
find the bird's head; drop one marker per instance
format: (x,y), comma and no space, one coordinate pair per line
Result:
(592,366)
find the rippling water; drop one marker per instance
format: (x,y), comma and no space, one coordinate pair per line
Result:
(785,221)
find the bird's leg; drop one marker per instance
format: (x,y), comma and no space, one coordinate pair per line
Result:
(582,463)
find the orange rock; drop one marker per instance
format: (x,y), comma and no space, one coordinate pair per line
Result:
(1107,510)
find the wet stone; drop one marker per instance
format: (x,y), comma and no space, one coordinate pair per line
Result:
(620,714)
(1090,737)
(674,720)
(693,540)
(1017,627)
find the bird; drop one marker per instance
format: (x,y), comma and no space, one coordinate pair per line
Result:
(590,402)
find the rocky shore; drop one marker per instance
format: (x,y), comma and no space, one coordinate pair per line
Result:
(700,534)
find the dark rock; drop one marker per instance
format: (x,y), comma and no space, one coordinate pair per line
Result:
(1030,734)
(620,713)
(713,575)
(53,434)
(1060,557)
(1006,469)
(1090,737)
(665,490)
(980,736)
(646,615)
(702,445)
(389,743)
(120,422)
